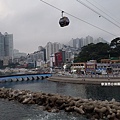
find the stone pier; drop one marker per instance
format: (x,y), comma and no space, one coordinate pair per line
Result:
(92,109)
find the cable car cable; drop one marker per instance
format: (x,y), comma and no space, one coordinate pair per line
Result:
(79,18)
(106,10)
(97,13)
(102,11)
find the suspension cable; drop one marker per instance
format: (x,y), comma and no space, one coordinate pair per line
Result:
(102,11)
(78,18)
(97,13)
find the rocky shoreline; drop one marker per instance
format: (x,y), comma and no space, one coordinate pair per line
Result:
(92,109)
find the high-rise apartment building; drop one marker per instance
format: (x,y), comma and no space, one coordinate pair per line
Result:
(70,43)
(88,40)
(100,40)
(81,43)
(52,48)
(49,50)
(1,46)
(17,54)
(6,46)
(55,47)
(76,43)
(8,43)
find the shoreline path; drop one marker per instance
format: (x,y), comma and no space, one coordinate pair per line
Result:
(107,81)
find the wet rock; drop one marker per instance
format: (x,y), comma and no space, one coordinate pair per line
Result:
(93,109)
(26,100)
(100,110)
(79,110)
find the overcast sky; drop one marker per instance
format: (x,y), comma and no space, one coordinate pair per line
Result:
(34,23)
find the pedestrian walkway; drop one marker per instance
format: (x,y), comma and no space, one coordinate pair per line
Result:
(85,80)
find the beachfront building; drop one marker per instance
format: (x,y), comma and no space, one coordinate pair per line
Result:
(91,66)
(111,60)
(111,66)
(80,67)
(102,68)
(115,68)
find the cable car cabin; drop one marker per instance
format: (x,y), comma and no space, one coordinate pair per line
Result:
(64,21)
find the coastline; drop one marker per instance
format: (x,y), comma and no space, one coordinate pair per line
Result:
(89,108)
(85,80)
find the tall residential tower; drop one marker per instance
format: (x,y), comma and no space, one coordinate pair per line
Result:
(6,46)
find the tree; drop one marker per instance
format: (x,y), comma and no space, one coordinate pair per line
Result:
(115,42)
(93,51)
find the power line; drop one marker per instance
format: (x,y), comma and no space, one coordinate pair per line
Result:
(97,13)
(102,11)
(78,18)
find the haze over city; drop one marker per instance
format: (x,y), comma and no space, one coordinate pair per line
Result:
(34,23)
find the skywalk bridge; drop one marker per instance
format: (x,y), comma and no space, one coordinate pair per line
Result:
(24,77)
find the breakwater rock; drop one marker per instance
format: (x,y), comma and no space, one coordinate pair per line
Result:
(92,109)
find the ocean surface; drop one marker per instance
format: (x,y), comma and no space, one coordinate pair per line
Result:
(12,110)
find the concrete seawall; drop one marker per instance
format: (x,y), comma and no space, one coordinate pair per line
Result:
(92,109)
(84,80)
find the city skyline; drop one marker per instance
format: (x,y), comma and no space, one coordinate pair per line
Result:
(85,41)
(34,24)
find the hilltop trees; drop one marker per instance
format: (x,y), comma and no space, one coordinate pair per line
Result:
(98,51)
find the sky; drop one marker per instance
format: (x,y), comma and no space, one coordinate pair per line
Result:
(34,23)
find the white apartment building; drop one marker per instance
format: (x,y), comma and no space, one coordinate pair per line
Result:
(80,42)
(76,43)
(1,46)
(49,50)
(6,46)
(52,48)
(56,47)
(88,40)
(17,54)
(70,43)
(100,40)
